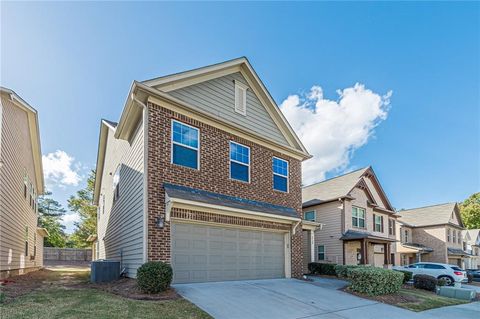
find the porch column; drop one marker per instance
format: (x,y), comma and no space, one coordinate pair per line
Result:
(312,246)
(365,242)
(385,254)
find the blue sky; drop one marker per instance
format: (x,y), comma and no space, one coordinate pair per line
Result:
(75,62)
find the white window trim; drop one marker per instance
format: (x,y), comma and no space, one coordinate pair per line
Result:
(324,252)
(231,160)
(183,145)
(244,89)
(364,218)
(287,176)
(310,211)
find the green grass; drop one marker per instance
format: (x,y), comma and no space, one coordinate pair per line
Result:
(426,300)
(89,303)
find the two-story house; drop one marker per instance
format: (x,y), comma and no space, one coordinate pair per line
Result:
(21,181)
(359,220)
(432,233)
(471,242)
(202,171)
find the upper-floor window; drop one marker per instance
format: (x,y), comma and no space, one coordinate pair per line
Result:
(26,241)
(405,236)
(391,226)
(280,174)
(116,184)
(358,217)
(378,226)
(454,236)
(459,237)
(239,162)
(448,234)
(321,252)
(185,145)
(310,215)
(240,98)
(34,244)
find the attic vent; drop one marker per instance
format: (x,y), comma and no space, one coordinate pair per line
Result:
(241,98)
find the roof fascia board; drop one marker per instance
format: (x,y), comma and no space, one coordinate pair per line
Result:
(102,148)
(379,186)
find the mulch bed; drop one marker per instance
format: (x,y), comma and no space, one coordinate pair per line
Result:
(127,287)
(392,299)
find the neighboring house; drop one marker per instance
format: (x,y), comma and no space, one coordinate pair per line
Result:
(203,172)
(471,241)
(21,181)
(432,233)
(359,220)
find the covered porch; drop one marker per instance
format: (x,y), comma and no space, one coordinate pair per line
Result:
(457,257)
(412,253)
(362,248)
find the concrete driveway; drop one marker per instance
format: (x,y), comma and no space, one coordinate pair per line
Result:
(285,298)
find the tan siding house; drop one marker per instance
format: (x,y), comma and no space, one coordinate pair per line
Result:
(358,217)
(21,181)
(433,234)
(471,239)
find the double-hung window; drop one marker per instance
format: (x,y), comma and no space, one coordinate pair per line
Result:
(378,226)
(280,174)
(391,227)
(358,217)
(310,215)
(185,145)
(448,235)
(116,184)
(239,162)
(321,252)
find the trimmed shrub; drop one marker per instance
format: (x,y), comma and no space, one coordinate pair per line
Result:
(374,281)
(154,277)
(322,269)
(425,282)
(441,282)
(342,270)
(407,275)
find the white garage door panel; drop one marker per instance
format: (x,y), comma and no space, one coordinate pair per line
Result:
(207,253)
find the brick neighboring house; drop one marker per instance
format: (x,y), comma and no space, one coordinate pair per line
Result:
(203,172)
(359,221)
(471,244)
(432,233)
(21,181)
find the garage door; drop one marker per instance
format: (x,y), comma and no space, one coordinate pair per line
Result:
(206,253)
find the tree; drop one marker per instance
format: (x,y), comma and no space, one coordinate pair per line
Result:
(470,211)
(82,204)
(50,212)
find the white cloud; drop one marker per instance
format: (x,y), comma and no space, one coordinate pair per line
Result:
(59,169)
(332,130)
(71,218)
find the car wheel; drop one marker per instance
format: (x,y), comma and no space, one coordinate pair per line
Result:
(448,280)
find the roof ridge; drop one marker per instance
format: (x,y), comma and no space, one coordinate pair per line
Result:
(332,178)
(421,207)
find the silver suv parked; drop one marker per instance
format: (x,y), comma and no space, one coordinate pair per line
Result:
(450,273)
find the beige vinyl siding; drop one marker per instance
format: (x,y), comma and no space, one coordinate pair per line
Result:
(217,97)
(376,195)
(329,214)
(120,226)
(15,211)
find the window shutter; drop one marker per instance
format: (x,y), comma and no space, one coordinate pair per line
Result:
(373,222)
(240,98)
(382,223)
(393,226)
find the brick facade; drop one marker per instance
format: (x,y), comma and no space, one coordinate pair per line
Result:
(212,176)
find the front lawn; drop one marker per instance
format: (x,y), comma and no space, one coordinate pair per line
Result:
(91,303)
(66,293)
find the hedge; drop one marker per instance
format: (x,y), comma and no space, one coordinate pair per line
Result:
(407,275)
(154,277)
(374,281)
(425,282)
(342,270)
(321,269)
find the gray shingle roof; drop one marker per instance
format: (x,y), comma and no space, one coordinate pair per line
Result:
(420,247)
(354,235)
(197,195)
(430,215)
(333,188)
(457,252)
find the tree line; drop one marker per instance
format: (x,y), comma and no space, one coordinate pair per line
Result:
(51,212)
